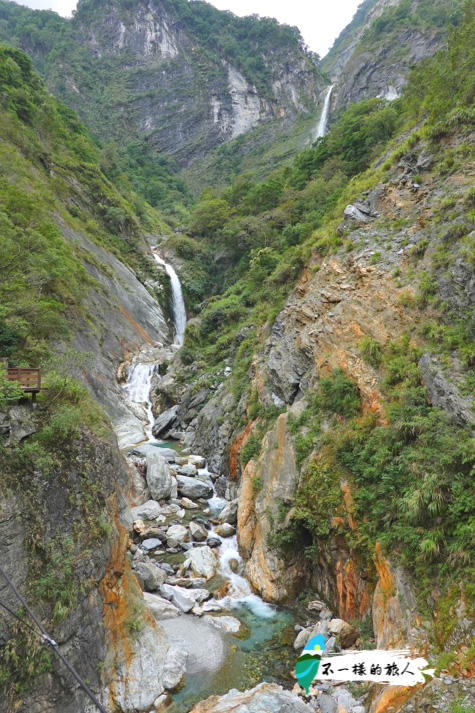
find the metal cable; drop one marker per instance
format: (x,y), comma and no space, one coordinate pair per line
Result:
(48,640)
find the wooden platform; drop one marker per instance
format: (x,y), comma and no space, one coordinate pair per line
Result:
(29,379)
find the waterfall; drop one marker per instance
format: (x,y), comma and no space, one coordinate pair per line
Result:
(322,124)
(178,303)
(138,387)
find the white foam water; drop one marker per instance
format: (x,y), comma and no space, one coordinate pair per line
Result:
(178,303)
(137,388)
(322,127)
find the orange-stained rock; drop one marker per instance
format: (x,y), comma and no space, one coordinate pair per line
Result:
(390,699)
(264,485)
(235,448)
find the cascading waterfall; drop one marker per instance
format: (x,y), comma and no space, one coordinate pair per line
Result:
(323,123)
(178,303)
(138,387)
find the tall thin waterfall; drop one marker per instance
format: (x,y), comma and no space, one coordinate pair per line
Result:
(178,303)
(323,123)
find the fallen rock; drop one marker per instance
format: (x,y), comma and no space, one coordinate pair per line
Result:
(177,435)
(327,703)
(198,533)
(141,451)
(189,470)
(316,605)
(203,562)
(197,461)
(151,544)
(193,488)
(229,513)
(225,530)
(148,511)
(181,598)
(161,608)
(189,504)
(213,542)
(151,574)
(227,623)
(158,476)
(268,697)
(174,668)
(348,636)
(165,421)
(177,533)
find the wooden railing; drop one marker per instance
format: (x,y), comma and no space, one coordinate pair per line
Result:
(29,379)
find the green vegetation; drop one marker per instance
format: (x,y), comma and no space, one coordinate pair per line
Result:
(22,659)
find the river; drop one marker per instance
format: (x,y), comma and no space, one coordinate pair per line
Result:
(262,649)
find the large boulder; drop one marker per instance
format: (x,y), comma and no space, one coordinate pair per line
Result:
(203,562)
(161,608)
(193,488)
(184,599)
(151,574)
(150,510)
(177,533)
(268,697)
(199,533)
(189,470)
(165,421)
(174,668)
(159,479)
(229,513)
(198,461)
(225,530)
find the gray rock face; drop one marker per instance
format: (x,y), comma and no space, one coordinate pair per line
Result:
(378,71)
(80,634)
(21,424)
(193,488)
(174,668)
(138,679)
(268,697)
(165,421)
(445,394)
(187,106)
(159,480)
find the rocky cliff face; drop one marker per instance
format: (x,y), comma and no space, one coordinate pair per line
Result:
(368,290)
(372,57)
(148,71)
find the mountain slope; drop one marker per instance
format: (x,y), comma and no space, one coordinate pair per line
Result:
(168,81)
(373,55)
(343,414)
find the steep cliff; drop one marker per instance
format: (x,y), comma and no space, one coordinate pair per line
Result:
(373,56)
(71,255)
(344,415)
(181,78)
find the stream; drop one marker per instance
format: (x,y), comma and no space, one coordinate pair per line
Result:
(262,649)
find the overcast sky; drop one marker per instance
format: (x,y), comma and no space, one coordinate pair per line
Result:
(319,21)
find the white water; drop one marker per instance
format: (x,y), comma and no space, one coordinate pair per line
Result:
(138,387)
(323,123)
(178,303)
(239,590)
